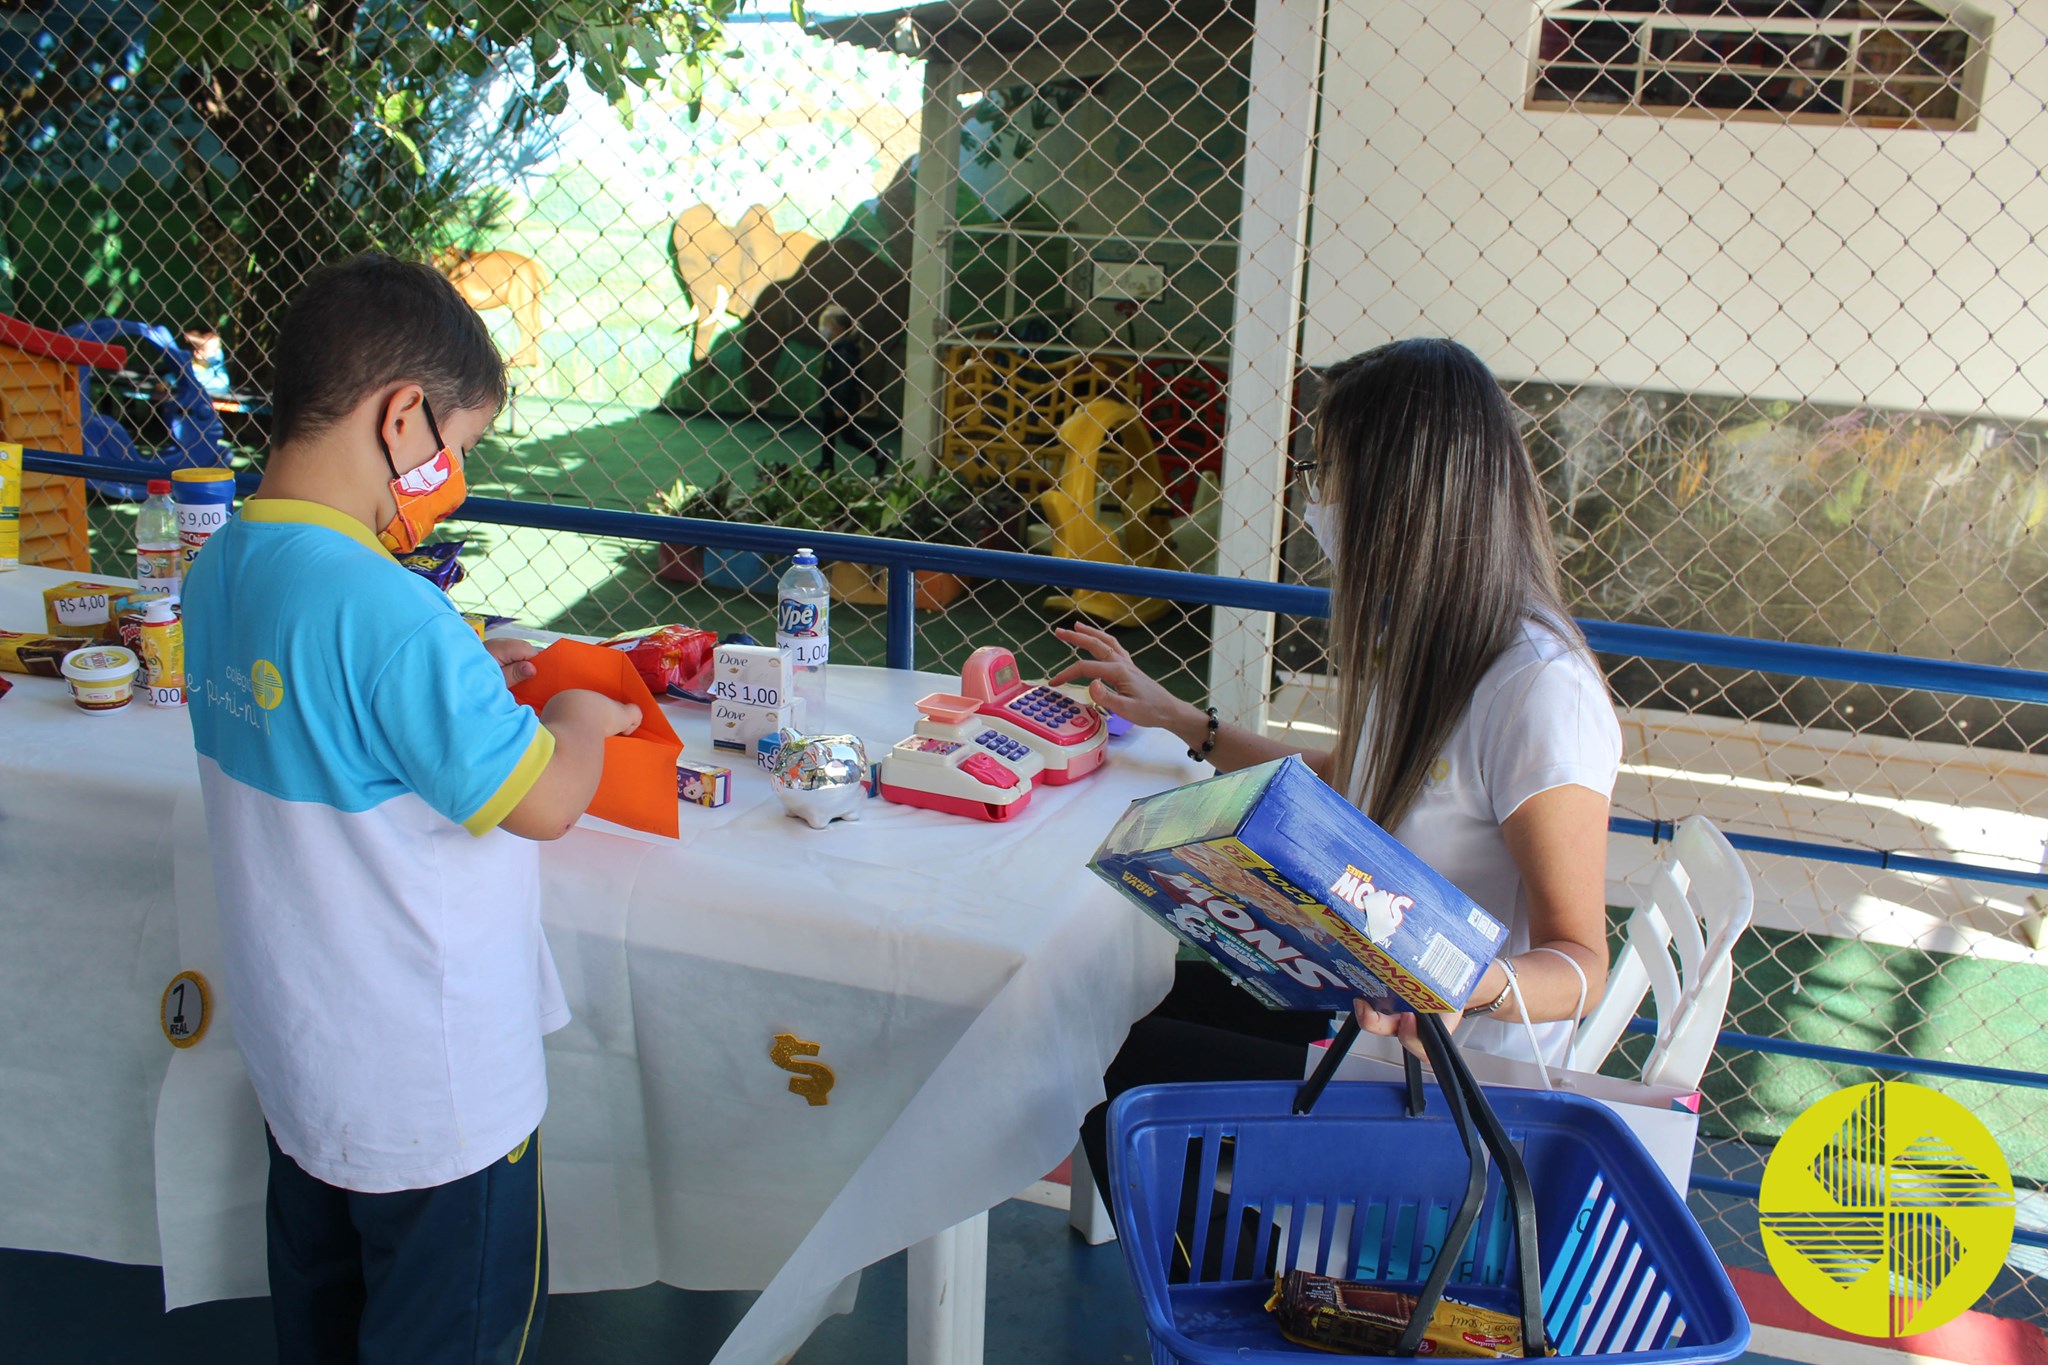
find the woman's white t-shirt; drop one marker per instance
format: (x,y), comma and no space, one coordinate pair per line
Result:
(1540,718)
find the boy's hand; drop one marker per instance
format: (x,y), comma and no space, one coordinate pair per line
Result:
(581,708)
(581,721)
(512,656)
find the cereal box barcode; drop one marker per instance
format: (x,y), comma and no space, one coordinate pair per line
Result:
(1447,965)
(1482,921)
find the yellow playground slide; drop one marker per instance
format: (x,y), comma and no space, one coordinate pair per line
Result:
(1136,491)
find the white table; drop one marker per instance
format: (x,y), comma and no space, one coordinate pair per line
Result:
(967,984)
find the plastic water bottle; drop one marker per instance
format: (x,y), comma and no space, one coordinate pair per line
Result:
(803,632)
(158,558)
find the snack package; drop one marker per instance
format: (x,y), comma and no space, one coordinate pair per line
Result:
(38,655)
(1296,895)
(87,606)
(702,784)
(436,562)
(1365,1319)
(10,505)
(673,661)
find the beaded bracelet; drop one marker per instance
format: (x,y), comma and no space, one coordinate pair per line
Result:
(1201,755)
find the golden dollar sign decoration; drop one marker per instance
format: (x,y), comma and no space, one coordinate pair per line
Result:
(812,1080)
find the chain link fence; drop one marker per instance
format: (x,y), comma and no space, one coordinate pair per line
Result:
(1058,275)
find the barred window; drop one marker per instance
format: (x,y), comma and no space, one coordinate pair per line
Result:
(1875,63)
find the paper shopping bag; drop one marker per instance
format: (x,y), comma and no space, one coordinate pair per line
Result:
(1664,1118)
(638,788)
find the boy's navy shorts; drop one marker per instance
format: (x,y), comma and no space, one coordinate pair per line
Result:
(455,1273)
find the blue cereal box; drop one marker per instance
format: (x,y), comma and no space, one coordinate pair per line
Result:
(1297,895)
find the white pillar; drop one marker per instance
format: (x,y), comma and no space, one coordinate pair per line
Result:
(1265,345)
(938,175)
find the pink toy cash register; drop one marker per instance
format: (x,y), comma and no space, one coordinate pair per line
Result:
(980,753)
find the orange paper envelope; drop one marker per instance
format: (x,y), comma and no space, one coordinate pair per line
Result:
(638,788)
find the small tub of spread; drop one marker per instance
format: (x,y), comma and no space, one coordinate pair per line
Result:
(102,678)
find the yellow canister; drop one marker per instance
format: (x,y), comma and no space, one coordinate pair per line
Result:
(10,505)
(163,654)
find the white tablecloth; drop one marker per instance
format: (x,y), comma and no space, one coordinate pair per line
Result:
(967,984)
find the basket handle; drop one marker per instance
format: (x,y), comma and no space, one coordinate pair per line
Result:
(1481,1131)
(1333,1057)
(1436,1041)
(1454,1074)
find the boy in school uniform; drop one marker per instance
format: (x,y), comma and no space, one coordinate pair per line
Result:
(372,796)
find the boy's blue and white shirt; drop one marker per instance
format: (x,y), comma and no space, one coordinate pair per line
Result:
(386,973)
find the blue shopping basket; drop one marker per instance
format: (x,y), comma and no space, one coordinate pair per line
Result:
(1220,1185)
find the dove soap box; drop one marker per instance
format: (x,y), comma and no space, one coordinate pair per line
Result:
(1296,895)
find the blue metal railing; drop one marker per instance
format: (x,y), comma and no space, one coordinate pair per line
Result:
(901,558)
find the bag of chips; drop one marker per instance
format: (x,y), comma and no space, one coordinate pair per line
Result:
(436,562)
(673,660)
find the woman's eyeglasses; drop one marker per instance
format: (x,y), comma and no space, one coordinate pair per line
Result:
(1308,471)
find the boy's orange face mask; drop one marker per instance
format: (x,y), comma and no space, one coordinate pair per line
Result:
(426,495)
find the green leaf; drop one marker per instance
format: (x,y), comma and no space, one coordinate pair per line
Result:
(797,13)
(419,163)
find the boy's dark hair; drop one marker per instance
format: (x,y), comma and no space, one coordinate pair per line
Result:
(371,321)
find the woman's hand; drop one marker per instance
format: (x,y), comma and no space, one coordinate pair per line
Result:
(1117,684)
(1400,1026)
(512,656)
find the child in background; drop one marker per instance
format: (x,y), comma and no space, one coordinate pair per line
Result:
(843,393)
(209,358)
(372,791)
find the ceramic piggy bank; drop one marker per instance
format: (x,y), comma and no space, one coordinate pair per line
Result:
(821,778)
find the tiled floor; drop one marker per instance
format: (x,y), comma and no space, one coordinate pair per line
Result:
(1052,1300)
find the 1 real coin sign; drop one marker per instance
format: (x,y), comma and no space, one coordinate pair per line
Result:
(186,1009)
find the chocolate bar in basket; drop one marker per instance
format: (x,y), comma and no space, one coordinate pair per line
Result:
(1299,897)
(1366,1319)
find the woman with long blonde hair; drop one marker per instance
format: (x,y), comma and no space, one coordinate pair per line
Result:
(1474,723)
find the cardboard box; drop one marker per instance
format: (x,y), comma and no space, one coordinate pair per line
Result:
(750,675)
(88,606)
(1297,895)
(702,784)
(638,788)
(735,726)
(41,655)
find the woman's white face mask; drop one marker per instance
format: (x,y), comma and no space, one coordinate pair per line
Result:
(1321,520)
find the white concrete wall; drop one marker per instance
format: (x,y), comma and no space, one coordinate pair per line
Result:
(1845,265)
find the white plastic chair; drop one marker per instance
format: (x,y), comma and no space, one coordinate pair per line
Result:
(1697,906)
